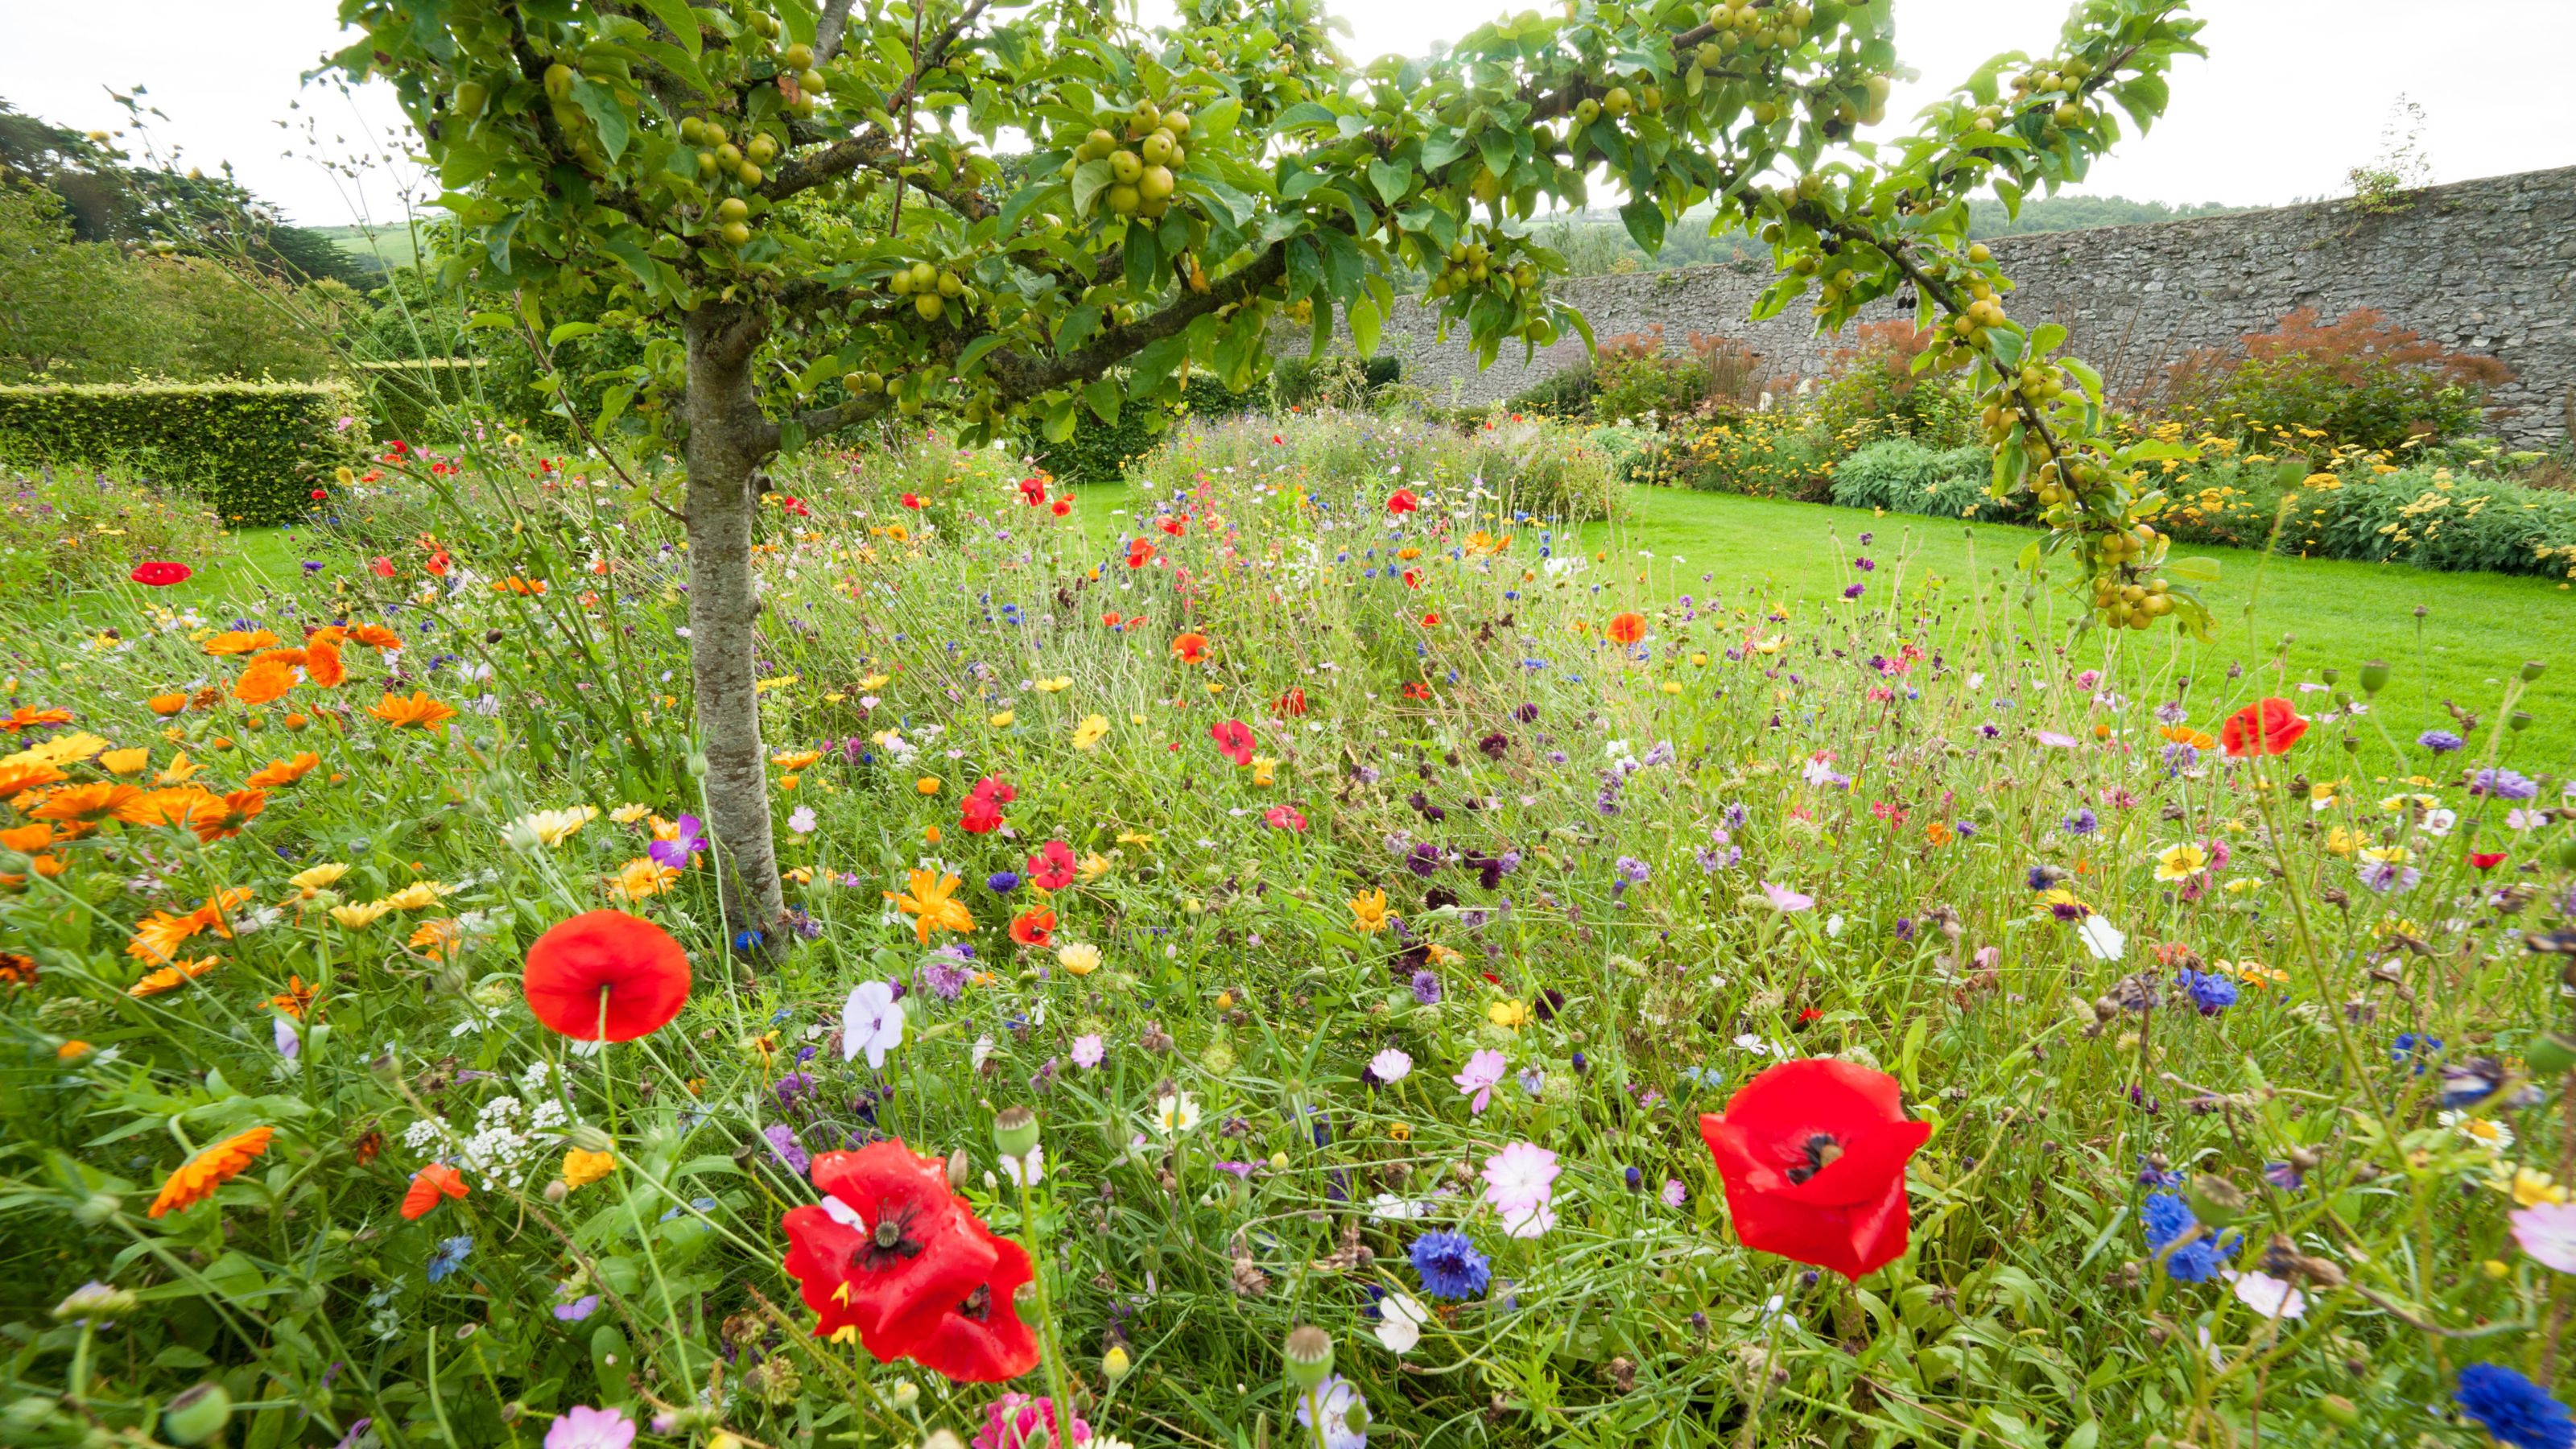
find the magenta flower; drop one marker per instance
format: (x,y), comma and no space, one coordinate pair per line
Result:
(583,1427)
(1477,1080)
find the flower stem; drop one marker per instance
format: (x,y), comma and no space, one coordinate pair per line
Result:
(1050,1341)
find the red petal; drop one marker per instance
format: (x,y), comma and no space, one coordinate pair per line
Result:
(999,1346)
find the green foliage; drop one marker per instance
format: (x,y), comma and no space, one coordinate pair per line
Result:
(1100,452)
(1526,469)
(1567,393)
(254,451)
(1873,390)
(1778,453)
(81,527)
(1905,476)
(421,399)
(1335,380)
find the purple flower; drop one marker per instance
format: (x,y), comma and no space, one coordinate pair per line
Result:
(578,1309)
(2440,742)
(2082,822)
(676,851)
(791,1153)
(2503,785)
(944,972)
(1002,882)
(1426,988)
(1852,592)
(792,1087)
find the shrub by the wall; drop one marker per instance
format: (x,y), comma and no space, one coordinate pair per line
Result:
(1904,476)
(1761,455)
(1099,452)
(255,451)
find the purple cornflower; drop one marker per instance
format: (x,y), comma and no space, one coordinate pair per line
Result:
(791,1153)
(2503,785)
(1426,988)
(2082,822)
(944,972)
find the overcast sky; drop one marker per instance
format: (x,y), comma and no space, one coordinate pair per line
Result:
(2296,92)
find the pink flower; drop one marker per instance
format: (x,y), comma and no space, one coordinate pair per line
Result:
(1477,1080)
(583,1427)
(2547,1231)
(1785,899)
(1391,1066)
(1087,1050)
(1016,1421)
(1674,1193)
(1519,1182)
(1283,817)
(2054,740)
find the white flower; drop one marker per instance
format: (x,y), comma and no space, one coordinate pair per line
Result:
(2103,939)
(2439,822)
(2268,1295)
(982,1052)
(1176,1114)
(1400,1317)
(2547,1231)
(1390,1066)
(1386,1207)
(1036,1166)
(871,1022)
(2485,1132)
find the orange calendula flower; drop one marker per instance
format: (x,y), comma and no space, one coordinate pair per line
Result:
(322,664)
(264,682)
(240,641)
(93,803)
(166,705)
(431,1186)
(642,878)
(1190,648)
(437,939)
(17,969)
(28,775)
(2186,735)
(217,817)
(25,718)
(931,902)
(125,762)
(420,710)
(284,772)
(375,636)
(198,1177)
(27,839)
(296,1000)
(172,977)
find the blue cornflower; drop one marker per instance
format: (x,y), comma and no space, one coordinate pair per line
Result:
(2410,1045)
(2150,1175)
(2167,1217)
(2210,992)
(1002,882)
(449,1256)
(2440,742)
(2513,1408)
(1449,1264)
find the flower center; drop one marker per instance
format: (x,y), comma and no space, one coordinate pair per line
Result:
(979,1304)
(889,1242)
(1821,1149)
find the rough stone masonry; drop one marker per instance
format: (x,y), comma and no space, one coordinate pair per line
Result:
(2485,266)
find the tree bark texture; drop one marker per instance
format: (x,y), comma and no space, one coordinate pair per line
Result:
(728,439)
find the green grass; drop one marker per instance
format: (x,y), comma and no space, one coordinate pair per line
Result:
(2301,615)
(393,244)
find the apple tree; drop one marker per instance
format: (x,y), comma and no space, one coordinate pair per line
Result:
(798,203)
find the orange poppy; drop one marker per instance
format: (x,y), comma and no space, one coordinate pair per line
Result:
(1627,628)
(173,976)
(198,1177)
(419,710)
(284,772)
(104,800)
(166,705)
(1190,648)
(431,1186)
(264,682)
(240,641)
(1033,927)
(24,718)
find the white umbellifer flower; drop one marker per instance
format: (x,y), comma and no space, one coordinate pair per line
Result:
(871,1022)
(1400,1317)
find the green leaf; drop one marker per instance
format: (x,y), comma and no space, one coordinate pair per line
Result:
(680,20)
(566,331)
(1059,420)
(791,438)
(1391,179)
(1076,329)
(2198,570)
(1645,219)
(1215,122)
(677,62)
(1304,113)
(1089,180)
(605,113)
(1364,323)
(1102,398)
(1442,147)
(2046,338)
(976,349)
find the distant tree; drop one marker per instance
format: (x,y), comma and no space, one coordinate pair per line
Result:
(70,310)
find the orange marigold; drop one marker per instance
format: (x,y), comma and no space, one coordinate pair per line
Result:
(240,641)
(198,1177)
(18,779)
(218,817)
(26,839)
(322,665)
(166,705)
(419,710)
(103,800)
(173,976)
(25,718)
(376,636)
(284,772)
(264,682)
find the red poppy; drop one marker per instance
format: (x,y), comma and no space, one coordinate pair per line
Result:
(2265,727)
(888,1250)
(793,504)
(1431,621)
(2484,861)
(1627,628)
(1051,869)
(1139,553)
(1061,507)
(1172,524)
(319,494)
(606,969)
(431,1186)
(982,1339)
(1813,1155)
(912,500)
(1033,491)
(1403,501)
(1033,927)
(160,573)
(1283,817)
(1233,740)
(382,566)
(1416,689)
(1293,702)
(1190,648)
(982,812)
(1413,578)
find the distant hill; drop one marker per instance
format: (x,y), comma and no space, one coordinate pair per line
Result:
(1594,243)
(385,246)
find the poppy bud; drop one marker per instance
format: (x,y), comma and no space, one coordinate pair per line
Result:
(590,1139)
(957,1169)
(2214,1200)
(558,1190)
(2336,1409)
(2519,720)
(2374,677)
(698,764)
(1310,1356)
(1015,1131)
(197,1416)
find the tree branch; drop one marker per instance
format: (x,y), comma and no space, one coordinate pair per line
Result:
(804,173)
(827,31)
(1023,378)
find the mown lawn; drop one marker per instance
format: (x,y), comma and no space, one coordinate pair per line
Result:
(2445,635)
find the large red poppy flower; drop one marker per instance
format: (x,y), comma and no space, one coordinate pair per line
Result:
(2265,727)
(1033,927)
(1190,648)
(1627,628)
(1813,1154)
(1051,869)
(981,1338)
(630,965)
(1403,501)
(1233,740)
(1139,553)
(1293,702)
(889,1251)
(981,814)
(160,573)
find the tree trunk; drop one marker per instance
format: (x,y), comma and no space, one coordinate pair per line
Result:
(728,438)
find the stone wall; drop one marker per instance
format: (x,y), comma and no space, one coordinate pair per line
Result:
(2485,266)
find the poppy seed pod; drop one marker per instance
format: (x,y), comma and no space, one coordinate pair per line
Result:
(1015,1131)
(1310,1356)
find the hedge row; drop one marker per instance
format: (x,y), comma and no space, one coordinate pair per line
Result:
(1099,452)
(406,399)
(255,451)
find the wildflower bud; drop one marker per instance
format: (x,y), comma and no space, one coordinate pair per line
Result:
(1114,1364)
(2352,744)
(2374,677)
(97,1208)
(95,1300)
(2330,675)
(2518,721)
(558,1190)
(1310,1356)
(2531,669)
(939,1438)
(197,1416)
(590,1139)
(2214,1200)
(1015,1131)
(698,764)
(906,1394)
(958,1166)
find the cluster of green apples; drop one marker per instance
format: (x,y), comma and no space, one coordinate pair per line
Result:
(1143,148)
(932,289)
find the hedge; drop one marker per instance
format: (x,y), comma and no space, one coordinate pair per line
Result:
(254,450)
(405,398)
(1903,476)
(1099,452)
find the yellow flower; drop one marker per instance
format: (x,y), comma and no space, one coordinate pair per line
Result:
(1143,838)
(1056,685)
(875,681)
(795,760)
(2529,1188)
(125,762)
(1264,770)
(581,1169)
(1094,865)
(641,878)
(1368,911)
(1079,957)
(2386,854)
(1511,1012)
(1003,720)
(360,917)
(2181,862)
(61,750)
(1440,955)
(554,827)
(420,895)
(629,814)
(1093,729)
(930,901)
(2255,973)
(178,770)
(318,877)
(927,784)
